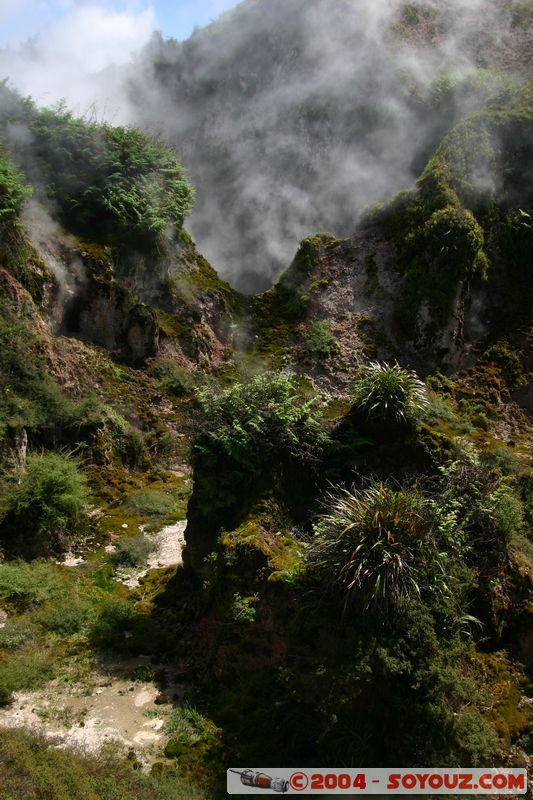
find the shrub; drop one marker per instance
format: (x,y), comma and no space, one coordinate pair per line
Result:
(114,619)
(29,397)
(251,423)
(320,341)
(196,742)
(16,634)
(376,546)
(133,551)
(390,394)
(486,509)
(188,726)
(13,192)
(150,502)
(243,609)
(32,768)
(114,184)
(504,511)
(26,671)
(28,584)
(67,618)
(48,497)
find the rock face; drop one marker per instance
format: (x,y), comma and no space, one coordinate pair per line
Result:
(105,314)
(13,450)
(124,301)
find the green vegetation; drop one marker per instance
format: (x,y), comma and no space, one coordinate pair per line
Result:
(113,184)
(253,423)
(173,379)
(32,768)
(319,341)
(452,232)
(195,742)
(277,311)
(29,397)
(133,551)
(28,584)
(389,394)
(13,191)
(44,502)
(376,546)
(357,571)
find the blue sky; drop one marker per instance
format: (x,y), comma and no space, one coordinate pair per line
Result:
(178,19)
(21,19)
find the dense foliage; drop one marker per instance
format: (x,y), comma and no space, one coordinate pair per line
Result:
(13,192)
(389,394)
(44,501)
(30,768)
(30,398)
(377,545)
(113,184)
(251,423)
(358,562)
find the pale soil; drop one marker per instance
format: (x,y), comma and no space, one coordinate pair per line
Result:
(169,544)
(105,708)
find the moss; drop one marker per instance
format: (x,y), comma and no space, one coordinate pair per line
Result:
(445,253)
(508,360)
(171,325)
(444,231)
(502,685)
(278,311)
(262,541)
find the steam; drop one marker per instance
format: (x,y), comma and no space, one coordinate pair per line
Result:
(291,116)
(80,59)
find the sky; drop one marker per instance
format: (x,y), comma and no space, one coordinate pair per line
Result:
(23,19)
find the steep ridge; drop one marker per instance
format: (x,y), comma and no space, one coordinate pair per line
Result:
(358,562)
(293,117)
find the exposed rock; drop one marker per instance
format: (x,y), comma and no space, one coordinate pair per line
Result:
(13,449)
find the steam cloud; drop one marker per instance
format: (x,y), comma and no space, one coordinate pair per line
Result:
(291,116)
(80,59)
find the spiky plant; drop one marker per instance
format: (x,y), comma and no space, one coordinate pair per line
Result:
(388,393)
(378,545)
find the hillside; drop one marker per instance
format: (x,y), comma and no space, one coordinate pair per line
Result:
(289,527)
(293,117)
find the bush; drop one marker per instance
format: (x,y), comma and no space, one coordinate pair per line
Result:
(150,502)
(133,551)
(67,618)
(29,584)
(26,671)
(16,634)
(115,618)
(486,509)
(253,422)
(113,434)
(48,497)
(32,768)
(320,341)
(196,742)
(13,192)
(390,394)
(376,546)
(113,184)
(29,397)
(504,511)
